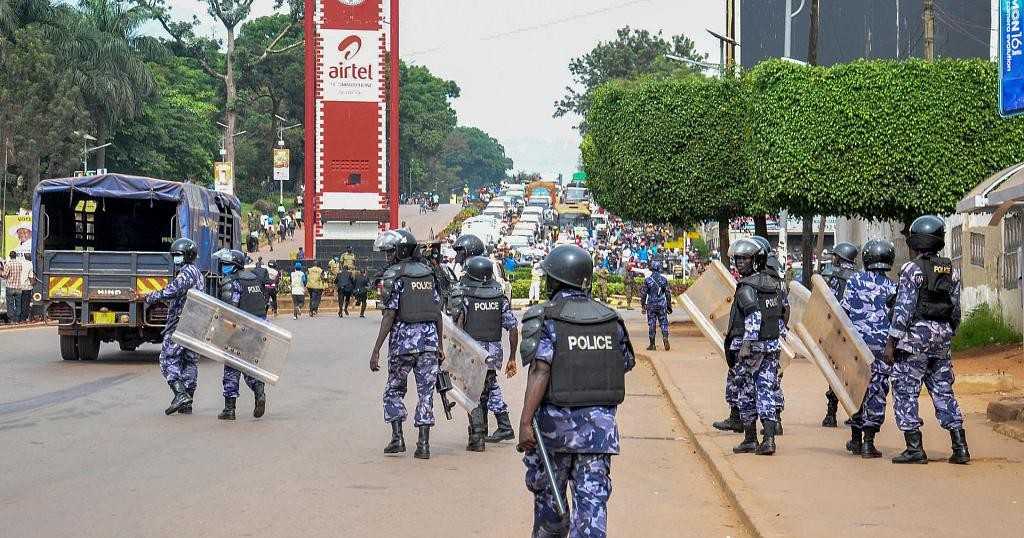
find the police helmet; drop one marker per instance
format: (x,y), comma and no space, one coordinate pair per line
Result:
(748,248)
(879,255)
(184,250)
(927,234)
(399,243)
(227,257)
(570,265)
(470,244)
(774,265)
(765,244)
(846,252)
(656,266)
(480,268)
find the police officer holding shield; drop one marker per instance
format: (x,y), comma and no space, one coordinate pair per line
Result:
(244,290)
(844,266)
(578,352)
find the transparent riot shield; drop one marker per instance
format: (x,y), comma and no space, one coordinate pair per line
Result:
(466,361)
(226,334)
(798,296)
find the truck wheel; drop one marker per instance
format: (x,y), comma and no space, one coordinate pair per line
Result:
(127,346)
(69,348)
(88,347)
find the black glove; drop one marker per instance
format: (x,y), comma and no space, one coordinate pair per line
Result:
(730,358)
(745,351)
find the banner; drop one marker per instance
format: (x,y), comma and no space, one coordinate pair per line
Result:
(1011,58)
(17,234)
(351,69)
(223,177)
(282,159)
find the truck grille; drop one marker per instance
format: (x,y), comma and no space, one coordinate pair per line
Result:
(157,314)
(61,312)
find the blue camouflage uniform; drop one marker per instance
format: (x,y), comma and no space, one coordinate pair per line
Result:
(867,300)
(411,346)
(656,303)
(922,355)
(758,376)
(231,376)
(581,441)
(735,381)
(492,394)
(176,362)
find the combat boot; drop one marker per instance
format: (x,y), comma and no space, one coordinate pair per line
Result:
(749,443)
(477,430)
(961,455)
(651,346)
(397,443)
(731,424)
(830,412)
(423,444)
(260,393)
(868,449)
(914,452)
(665,340)
(187,409)
(181,398)
(229,409)
(856,442)
(778,425)
(504,431)
(767,446)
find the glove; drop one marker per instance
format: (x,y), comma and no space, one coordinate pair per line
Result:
(745,351)
(668,308)
(889,355)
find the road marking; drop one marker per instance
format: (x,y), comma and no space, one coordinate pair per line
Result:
(64,395)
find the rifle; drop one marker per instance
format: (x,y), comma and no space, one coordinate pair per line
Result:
(444,384)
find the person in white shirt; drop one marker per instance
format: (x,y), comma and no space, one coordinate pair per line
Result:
(536,274)
(298,280)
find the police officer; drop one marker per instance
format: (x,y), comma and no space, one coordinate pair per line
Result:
(179,366)
(413,325)
(844,266)
(465,247)
(656,301)
(754,336)
(243,290)
(868,301)
(774,269)
(925,317)
(480,307)
(578,351)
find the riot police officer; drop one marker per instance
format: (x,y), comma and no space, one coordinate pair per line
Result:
(465,247)
(924,320)
(773,268)
(844,266)
(480,307)
(578,351)
(753,335)
(868,301)
(656,301)
(179,366)
(413,325)
(244,290)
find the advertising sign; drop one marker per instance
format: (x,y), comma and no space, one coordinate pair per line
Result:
(351,71)
(282,159)
(223,177)
(1011,58)
(17,234)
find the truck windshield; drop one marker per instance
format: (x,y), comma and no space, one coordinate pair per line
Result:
(107,224)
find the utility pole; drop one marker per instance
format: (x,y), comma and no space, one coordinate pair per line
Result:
(807,232)
(730,32)
(929,30)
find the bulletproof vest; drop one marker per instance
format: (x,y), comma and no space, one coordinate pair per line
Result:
(417,304)
(251,299)
(483,311)
(838,279)
(935,298)
(761,292)
(588,367)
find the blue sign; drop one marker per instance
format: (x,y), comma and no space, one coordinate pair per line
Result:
(1011,58)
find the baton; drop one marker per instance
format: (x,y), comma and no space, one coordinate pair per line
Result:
(559,501)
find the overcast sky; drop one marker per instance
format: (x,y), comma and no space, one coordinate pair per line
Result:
(511,58)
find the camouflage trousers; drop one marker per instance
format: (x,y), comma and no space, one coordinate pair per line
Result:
(591,487)
(936,373)
(230,382)
(872,411)
(424,366)
(492,396)
(602,290)
(657,315)
(758,381)
(734,386)
(178,364)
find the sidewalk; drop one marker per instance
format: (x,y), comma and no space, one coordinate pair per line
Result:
(813,487)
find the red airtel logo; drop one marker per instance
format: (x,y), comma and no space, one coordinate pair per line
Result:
(349,48)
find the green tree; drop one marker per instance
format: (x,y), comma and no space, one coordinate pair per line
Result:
(426,118)
(479,158)
(632,53)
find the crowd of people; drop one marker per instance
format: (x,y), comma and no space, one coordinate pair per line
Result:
(272,227)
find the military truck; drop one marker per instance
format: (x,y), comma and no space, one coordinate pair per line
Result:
(101,245)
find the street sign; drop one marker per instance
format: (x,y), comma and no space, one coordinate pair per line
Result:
(282,158)
(223,177)
(1011,58)
(579,176)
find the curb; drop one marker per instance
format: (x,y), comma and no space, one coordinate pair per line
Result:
(736,490)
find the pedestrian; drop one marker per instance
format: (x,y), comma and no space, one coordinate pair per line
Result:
(360,289)
(315,285)
(479,306)
(601,275)
(348,259)
(345,284)
(298,217)
(578,351)
(656,302)
(844,266)
(413,325)
(867,301)
(270,286)
(629,282)
(28,282)
(925,318)
(298,288)
(179,366)
(243,290)
(333,265)
(11,274)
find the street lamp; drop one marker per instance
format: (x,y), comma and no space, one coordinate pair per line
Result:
(223,139)
(86,150)
(722,42)
(280,144)
(700,65)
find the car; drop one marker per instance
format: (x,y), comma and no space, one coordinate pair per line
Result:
(516,241)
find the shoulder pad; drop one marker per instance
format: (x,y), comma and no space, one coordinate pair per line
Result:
(490,291)
(761,282)
(583,311)
(535,311)
(391,273)
(746,299)
(457,292)
(416,270)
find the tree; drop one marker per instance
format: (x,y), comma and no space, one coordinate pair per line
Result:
(632,53)
(479,158)
(426,118)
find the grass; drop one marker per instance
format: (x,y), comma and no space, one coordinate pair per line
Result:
(984,326)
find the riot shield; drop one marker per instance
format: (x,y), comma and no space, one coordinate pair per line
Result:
(835,346)
(466,361)
(798,296)
(226,334)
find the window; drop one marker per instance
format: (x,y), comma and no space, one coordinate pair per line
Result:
(956,246)
(85,225)
(1013,226)
(977,249)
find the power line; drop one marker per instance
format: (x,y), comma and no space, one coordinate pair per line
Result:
(962,21)
(956,27)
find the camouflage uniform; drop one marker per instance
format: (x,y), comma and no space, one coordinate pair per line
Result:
(411,346)
(735,381)
(758,376)
(581,441)
(492,395)
(176,362)
(867,302)
(231,376)
(601,283)
(656,303)
(923,355)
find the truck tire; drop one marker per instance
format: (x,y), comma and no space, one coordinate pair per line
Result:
(69,348)
(127,346)
(88,347)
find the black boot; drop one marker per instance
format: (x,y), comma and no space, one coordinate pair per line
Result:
(423,444)
(397,443)
(187,409)
(914,452)
(261,400)
(830,411)
(731,424)
(181,398)
(856,442)
(778,425)
(504,431)
(868,449)
(651,346)
(665,340)
(229,409)
(749,443)
(961,454)
(477,430)
(767,446)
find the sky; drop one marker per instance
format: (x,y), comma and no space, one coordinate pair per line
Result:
(511,59)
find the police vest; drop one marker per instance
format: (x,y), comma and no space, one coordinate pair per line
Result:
(314,280)
(935,297)
(251,298)
(416,304)
(588,367)
(483,311)
(759,292)
(838,279)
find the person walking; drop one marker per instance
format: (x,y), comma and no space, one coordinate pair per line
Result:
(360,289)
(315,285)
(241,289)
(535,275)
(298,288)
(345,284)
(11,273)
(348,259)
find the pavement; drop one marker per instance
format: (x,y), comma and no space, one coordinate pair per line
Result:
(812,486)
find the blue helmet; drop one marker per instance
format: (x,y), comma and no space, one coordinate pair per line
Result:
(656,266)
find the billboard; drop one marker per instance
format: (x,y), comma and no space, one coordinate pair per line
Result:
(282,159)
(17,234)
(1011,58)
(223,177)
